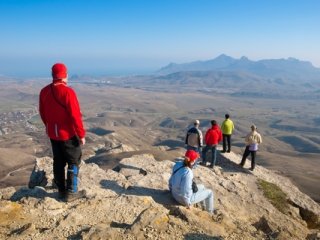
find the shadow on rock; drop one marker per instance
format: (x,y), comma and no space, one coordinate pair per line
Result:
(229,166)
(192,236)
(125,166)
(160,196)
(37,192)
(171,143)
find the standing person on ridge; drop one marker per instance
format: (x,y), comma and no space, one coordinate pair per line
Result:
(212,138)
(60,112)
(227,128)
(182,190)
(252,140)
(194,138)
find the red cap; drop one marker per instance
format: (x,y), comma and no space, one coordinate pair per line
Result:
(192,155)
(59,71)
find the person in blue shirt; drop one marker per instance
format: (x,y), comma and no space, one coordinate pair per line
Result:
(180,184)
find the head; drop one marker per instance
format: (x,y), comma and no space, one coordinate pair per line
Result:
(213,122)
(59,72)
(196,123)
(253,127)
(227,116)
(190,157)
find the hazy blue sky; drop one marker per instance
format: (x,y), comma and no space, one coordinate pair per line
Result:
(135,36)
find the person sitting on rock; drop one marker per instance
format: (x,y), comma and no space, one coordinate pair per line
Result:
(181,184)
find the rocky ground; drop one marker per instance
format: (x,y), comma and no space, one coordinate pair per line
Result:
(133,202)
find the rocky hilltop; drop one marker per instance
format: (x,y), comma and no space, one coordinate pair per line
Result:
(132,201)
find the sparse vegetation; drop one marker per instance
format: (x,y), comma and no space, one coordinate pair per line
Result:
(153,116)
(275,195)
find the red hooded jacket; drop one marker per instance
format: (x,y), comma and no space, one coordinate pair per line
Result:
(213,135)
(60,111)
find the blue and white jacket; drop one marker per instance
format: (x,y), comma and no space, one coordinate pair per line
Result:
(180,184)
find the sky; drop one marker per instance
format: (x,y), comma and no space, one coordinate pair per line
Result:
(118,37)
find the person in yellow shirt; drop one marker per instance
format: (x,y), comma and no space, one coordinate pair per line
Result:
(227,128)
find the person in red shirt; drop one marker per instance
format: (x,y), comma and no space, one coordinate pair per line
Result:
(60,112)
(212,138)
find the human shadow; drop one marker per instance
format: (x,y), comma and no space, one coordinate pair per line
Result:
(171,143)
(36,192)
(161,196)
(191,236)
(100,131)
(227,165)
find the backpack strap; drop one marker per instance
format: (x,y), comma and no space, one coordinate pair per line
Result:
(177,170)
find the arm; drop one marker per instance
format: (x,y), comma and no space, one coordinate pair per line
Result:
(175,167)
(75,113)
(222,126)
(220,136)
(200,138)
(206,136)
(186,187)
(247,139)
(41,108)
(260,138)
(186,141)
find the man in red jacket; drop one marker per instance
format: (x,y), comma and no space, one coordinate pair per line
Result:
(212,138)
(60,112)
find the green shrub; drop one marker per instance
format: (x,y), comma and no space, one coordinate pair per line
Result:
(275,195)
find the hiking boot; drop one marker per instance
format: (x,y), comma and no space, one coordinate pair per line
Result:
(217,216)
(70,196)
(62,195)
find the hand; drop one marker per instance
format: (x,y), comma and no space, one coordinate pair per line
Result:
(82,141)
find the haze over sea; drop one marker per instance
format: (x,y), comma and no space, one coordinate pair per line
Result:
(128,37)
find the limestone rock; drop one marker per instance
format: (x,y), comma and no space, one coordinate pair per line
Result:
(134,203)
(7,193)
(42,174)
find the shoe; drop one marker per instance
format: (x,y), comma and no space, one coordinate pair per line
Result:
(70,196)
(223,151)
(241,165)
(211,166)
(251,169)
(217,216)
(228,151)
(203,164)
(62,195)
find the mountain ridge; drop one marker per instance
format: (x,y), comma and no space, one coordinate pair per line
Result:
(290,68)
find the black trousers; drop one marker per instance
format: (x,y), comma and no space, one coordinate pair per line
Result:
(66,153)
(226,139)
(246,154)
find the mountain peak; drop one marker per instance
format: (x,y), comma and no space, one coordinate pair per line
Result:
(244,58)
(223,56)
